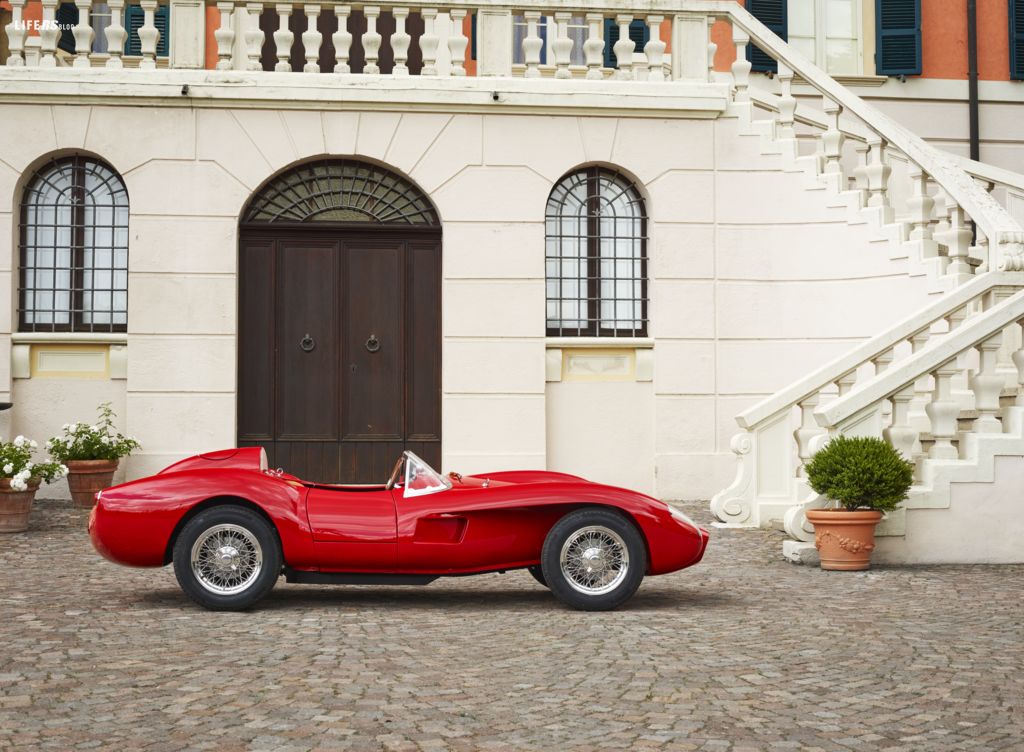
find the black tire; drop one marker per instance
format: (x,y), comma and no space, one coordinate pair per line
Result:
(538,574)
(611,535)
(248,538)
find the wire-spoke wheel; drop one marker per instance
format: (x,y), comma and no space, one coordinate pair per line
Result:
(227,558)
(594,559)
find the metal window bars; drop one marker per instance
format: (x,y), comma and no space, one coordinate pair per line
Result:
(596,256)
(73,249)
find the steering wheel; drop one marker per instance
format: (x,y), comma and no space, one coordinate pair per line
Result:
(393,480)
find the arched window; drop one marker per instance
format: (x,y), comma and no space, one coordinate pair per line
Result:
(74,249)
(596,256)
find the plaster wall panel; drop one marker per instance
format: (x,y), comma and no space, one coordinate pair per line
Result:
(376,133)
(684,424)
(416,132)
(510,366)
(8,243)
(740,198)
(458,145)
(182,364)
(200,189)
(611,445)
(493,424)
(693,476)
(551,146)
(681,251)
(71,125)
(181,423)
(176,245)
(484,308)
(222,139)
(598,136)
(684,145)
(34,119)
(306,133)
(682,196)
(760,367)
(268,131)
(684,367)
(9,197)
(493,194)
(7,293)
(726,410)
(181,304)
(500,250)
(340,132)
(128,137)
(735,150)
(470,463)
(682,309)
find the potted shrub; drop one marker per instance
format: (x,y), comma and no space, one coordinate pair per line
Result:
(91,453)
(865,477)
(20,477)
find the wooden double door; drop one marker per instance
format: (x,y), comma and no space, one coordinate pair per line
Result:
(339,364)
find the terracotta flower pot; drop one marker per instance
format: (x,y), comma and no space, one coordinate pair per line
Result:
(86,477)
(15,506)
(844,539)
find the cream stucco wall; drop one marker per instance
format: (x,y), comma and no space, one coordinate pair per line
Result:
(754,277)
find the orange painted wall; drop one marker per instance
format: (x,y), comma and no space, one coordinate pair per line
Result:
(33,11)
(993,40)
(212,24)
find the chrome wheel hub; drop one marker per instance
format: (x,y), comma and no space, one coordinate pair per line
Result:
(226,559)
(594,560)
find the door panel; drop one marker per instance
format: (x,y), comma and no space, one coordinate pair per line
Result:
(353,530)
(256,333)
(423,409)
(307,369)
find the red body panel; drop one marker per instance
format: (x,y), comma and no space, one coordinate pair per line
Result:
(483,523)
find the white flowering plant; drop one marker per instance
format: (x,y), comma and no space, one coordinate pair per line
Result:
(19,469)
(99,441)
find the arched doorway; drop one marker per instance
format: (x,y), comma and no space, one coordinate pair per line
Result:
(339,352)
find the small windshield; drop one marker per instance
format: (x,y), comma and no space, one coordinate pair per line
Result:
(421,478)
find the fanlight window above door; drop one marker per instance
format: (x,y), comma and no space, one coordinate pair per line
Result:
(341,191)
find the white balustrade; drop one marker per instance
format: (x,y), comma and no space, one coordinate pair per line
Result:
(654,50)
(371,40)
(311,39)
(561,48)
(400,41)
(429,41)
(741,66)
(254,36)
(16,35)
(283,38)
(83,34)
(117,34)
(532,44)
(149,35)
(225,35)
(832,145)
(987,385)
(623,48)
(593,48)
(458,43)
(342,39)
(48,35)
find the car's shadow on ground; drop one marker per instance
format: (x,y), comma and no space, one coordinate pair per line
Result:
(435,597)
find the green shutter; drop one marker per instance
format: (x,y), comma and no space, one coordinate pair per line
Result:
(67,16)
(638,32)
(774,15)
(897,37)
(1017,39)
(135,17)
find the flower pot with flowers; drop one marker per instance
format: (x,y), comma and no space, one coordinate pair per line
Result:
(865,477)
(20,477)
(91,453)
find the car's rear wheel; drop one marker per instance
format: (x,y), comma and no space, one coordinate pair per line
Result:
(227,558)
(538,575)
(594,559)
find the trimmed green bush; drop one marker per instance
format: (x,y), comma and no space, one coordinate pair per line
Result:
(861,472)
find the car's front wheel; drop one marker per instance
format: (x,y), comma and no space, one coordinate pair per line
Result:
(227,558)
(594,559)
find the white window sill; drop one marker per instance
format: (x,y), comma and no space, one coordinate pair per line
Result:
(56,338)
(635,343)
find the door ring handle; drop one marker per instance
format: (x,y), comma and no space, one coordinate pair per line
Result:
(373,344)
(306,344)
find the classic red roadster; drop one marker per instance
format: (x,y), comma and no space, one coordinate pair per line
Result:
(231,526)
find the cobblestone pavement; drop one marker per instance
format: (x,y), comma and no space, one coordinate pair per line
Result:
(744,652)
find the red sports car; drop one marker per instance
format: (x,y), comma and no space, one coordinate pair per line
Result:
(231,526)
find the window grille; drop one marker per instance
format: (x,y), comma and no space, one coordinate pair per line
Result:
(73,249)
(596,256)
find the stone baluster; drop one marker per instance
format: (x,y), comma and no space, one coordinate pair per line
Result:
(1018,361)
(958,240)
(987,385)
(457,43)
(860,172)
(429,41)
(787,103)
(882,361)
(943,411)
(16,35)
(900,433)
(400,42)
(48,35)
(845,382)
(254,36)
(116,34)
(917,343)
(149,35)
(532,44)
(942,206)
(342,39)
(981,250)
(878,172)
(593,48)
(712,48)
(312,38)
(920,204)
(832,145)
(83,34)
(654,50)
(806,432)
(372,39)
(741,66)
(624,48)
(561,47)
(283,39)
(225,35)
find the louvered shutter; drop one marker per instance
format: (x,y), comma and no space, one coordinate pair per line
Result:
(897,37)
(774,15)
(67,16)
(638,32)
(1017,39)
(135,17)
